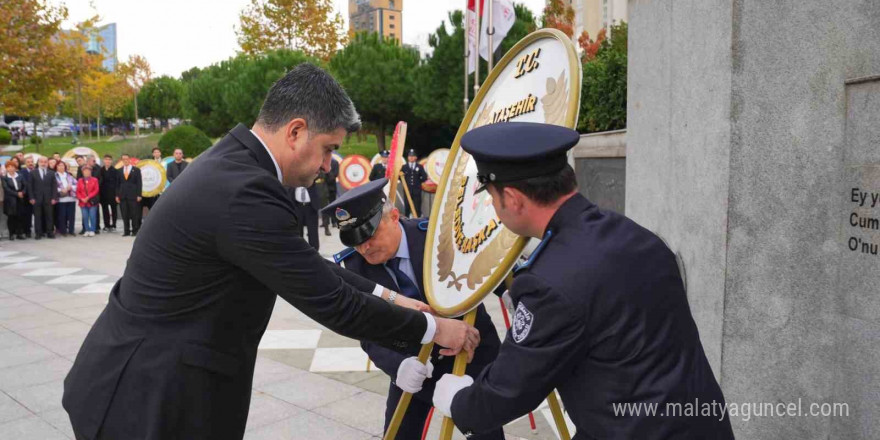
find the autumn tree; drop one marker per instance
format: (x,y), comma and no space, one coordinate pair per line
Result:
(34,57)
(589,46)
(136,72)
(560,16)
(306,25)
(104,95)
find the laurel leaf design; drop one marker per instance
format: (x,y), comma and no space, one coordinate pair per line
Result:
(445,250)
(555,99)
(487,260)
(485,115)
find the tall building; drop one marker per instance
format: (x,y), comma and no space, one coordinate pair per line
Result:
(384,17)
(103,41)
(593,15)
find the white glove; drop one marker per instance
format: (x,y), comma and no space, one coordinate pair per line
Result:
(411,373)
(445,391)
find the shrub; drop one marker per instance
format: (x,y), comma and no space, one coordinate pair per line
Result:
(5,136)
(36,140)
(186,137)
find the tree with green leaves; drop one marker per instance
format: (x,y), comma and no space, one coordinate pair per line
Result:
(160,98)
(438,81)
(377,74)
(603,93)
(217,97)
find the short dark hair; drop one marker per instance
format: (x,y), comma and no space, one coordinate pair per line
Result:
(544,190)
(156,149)
(60,163)
(126,154)
(108,156)
(308,92)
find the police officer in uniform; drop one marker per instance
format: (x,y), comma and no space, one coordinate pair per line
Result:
(414,175)
(389,250)
(601,310)
(378,170)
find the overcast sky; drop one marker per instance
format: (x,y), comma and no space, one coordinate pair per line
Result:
(175,35)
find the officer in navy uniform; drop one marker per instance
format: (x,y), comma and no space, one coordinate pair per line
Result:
(414,175)
(378,170)
(601,311)
(389,250)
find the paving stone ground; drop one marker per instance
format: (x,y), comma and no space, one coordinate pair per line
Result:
(309,382)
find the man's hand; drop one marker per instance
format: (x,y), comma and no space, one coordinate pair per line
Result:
(411,374)
(446,389)
(414,304)
(456,336)
(33,202)
(139,199)
(117,200)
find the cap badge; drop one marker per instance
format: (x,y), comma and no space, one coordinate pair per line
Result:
(342,214)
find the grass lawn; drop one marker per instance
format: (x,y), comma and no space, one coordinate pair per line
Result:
(140,147)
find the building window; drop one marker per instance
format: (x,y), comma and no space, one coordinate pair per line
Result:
(391,4)
(391,17)
(391,25)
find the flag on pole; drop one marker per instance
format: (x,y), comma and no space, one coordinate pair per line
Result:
(503,16)
(471,29)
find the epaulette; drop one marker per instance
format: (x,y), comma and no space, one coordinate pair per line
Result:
(347,252)
(535,254)
(423,225)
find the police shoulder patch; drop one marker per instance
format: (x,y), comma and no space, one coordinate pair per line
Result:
(523,320)
(341,256)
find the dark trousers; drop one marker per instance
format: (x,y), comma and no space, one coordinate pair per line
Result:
(326,218)
(307,217)
(26,217)
(44,222)
(15,225)
(131,215)
(65,217)
(414,420)
(417,200)
(106,208)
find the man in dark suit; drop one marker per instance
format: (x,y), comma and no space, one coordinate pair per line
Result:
(307,204)
(172,355)
(174,168)
(601,311)
(390,250)
(109,185)
(27,218)
(414,175)
(43,191)
(128,195)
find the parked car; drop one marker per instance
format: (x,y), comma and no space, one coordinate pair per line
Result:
(59,130)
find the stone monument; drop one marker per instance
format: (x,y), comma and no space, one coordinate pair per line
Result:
(753,148)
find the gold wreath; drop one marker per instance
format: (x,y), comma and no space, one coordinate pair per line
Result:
(489,258)
(445,250)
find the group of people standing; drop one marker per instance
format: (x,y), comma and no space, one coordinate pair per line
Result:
(40,200)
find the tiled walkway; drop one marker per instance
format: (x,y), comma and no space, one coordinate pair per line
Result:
(310,383)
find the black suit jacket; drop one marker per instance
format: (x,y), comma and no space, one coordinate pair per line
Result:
(109,183)
(172,354)
(388,359)
(12,205)
(173,169)
(377,172)
(131,188)
(43,190)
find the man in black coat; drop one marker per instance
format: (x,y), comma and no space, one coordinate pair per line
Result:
(109,185)
(390,250)
(175,167)
(414,175)
(129,196)
(378,170)
(601,311)
(27,219)
(172,355)
(307,204)
(43,191)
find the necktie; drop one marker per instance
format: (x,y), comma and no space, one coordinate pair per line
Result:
(407,286)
